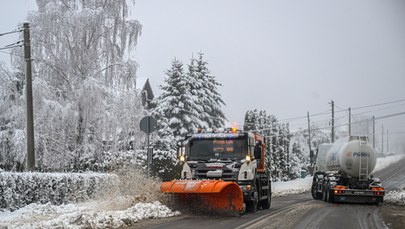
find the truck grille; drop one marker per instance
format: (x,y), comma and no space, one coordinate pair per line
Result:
(226,174)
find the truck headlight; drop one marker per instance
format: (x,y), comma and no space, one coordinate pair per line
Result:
(248,158)
(182,158)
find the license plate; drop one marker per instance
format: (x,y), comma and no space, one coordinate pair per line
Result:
(359,192)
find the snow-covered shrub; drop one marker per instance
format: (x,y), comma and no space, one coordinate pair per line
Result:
(20,189)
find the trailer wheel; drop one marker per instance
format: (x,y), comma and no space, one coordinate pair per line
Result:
(331,197)
(315,194)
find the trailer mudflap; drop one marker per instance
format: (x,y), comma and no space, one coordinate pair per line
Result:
(215,194)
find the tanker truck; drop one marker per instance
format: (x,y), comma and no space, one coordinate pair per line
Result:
(342,172)
(223,170)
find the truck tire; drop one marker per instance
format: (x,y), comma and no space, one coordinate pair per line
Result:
(252,205)
(315,194)
(331,197)
(265,204)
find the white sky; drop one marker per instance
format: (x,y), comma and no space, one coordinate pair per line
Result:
(285,57)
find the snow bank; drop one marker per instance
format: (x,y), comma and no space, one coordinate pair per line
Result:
(291,187)
(84,215)
(395,197)
(383,162)
(133,198)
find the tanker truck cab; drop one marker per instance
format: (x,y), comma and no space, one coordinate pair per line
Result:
(343,172)
(230,156)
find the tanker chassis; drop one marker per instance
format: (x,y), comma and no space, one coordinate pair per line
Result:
(343,172)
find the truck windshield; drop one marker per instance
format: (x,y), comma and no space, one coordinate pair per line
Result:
(205,149)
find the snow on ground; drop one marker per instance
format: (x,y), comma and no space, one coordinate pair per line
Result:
(383,162)
(122,211)
(395,197)
(291,187)
(84,215)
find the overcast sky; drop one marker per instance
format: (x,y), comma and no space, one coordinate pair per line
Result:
(285,57)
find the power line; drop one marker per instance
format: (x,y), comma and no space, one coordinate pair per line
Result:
(365,120)
(390,115)
(9,47)
(11,32)
(379,104)
(385,108)
(342,110)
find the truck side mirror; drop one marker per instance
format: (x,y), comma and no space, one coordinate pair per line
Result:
(258,152)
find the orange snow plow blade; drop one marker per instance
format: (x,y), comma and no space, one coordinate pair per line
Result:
(215,194)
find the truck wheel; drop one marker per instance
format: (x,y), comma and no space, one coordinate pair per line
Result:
(315,194)
(267,202)
(331,197)
(251,206)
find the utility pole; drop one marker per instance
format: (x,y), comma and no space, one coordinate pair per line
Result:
(333,122)
(30,110)
(350,121)
(382,138)
(373,132)
(309,133)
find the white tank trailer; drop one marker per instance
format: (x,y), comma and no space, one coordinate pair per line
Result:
(342,172)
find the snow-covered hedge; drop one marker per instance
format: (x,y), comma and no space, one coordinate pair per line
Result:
(20,189)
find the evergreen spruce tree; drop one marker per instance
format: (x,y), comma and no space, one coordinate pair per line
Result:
(278,140)
(205,90)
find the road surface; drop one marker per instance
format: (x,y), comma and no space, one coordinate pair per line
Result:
(298,211)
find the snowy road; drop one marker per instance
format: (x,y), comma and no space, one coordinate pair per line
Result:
(299,211)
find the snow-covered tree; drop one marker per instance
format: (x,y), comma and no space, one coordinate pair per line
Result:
(205,90)
(189,99)
(12,119)
(278,138)
(85,100)
(176,109)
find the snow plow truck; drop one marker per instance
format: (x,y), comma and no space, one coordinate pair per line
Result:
(223,170)
(342,172)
